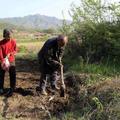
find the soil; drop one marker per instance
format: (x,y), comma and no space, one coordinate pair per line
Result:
(27,104)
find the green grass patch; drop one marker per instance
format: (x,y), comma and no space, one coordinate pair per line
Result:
(94,72)
(105,69)
(30,56)
(102,69)
(22,49)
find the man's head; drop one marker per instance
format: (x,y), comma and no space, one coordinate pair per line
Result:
(7,33)
(62,40)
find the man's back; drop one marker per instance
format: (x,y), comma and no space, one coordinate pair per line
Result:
(49,44)
(49,55)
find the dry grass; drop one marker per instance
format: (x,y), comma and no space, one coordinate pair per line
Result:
(29,49)
(32,46)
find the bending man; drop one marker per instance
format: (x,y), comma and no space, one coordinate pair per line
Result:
(49,58)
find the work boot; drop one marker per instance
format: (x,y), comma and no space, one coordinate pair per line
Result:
(1,91)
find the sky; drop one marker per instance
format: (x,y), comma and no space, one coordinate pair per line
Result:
(20,8)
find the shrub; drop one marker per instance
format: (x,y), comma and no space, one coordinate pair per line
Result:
(94,32)
(22,49)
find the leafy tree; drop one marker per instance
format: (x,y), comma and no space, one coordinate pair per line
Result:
(96,27)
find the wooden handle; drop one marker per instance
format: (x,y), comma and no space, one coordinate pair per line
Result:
(62,78)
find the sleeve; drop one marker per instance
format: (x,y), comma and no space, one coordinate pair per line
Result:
(48,58)
(15,47)
(61,52)
(1,55)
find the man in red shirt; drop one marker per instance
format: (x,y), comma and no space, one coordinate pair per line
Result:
(8,50)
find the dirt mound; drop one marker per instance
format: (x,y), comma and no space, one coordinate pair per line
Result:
(98,101)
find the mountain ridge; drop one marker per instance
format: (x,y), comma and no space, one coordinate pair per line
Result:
(35,21)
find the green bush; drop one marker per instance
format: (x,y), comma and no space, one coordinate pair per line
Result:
(22,49)
(93,34)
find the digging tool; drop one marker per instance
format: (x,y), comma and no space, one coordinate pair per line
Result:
(62,87)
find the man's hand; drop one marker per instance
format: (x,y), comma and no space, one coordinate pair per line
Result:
(12,53)
(8,55)
(57,64)
(63,86)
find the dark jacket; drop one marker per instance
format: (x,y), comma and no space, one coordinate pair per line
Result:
(49,54)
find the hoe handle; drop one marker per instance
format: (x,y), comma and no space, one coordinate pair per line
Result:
(62,76)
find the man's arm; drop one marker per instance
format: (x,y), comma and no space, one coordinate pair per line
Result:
(49,59)
(61,52)
(1,55)
(14,49)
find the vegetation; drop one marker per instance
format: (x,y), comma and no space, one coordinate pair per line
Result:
(92,68)
(94,52)
(94,35)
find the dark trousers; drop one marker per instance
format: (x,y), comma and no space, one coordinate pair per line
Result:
(54,77)
(12,74)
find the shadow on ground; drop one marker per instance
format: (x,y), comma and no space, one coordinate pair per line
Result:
(27,65)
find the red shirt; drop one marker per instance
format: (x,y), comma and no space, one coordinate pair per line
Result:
(6,47)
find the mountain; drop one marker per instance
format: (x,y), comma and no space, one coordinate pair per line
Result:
(4,25)
(34,21)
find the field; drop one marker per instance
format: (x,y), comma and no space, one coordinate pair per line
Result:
(89,95)
(29,48)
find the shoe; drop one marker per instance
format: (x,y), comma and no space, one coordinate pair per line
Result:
(1,91)
(55,87)
(43,92)
(10,92)
(38,89)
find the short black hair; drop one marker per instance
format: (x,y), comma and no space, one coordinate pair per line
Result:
(6,31)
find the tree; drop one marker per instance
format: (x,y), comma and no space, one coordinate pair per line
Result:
(97,25)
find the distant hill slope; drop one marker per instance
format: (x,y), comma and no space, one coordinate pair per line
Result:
(34,21)
(4,25)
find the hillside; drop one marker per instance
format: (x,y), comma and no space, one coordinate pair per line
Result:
(4,25)
(34,21)
(8,25)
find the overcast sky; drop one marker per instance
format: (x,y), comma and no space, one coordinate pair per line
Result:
(16,8)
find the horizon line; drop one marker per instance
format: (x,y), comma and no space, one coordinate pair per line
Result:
(33,15)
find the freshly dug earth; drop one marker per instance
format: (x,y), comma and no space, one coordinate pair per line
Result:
(27,104)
